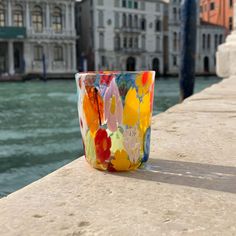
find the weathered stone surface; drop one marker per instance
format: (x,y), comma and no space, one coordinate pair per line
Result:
(226,57)
(188,187)
(226,54)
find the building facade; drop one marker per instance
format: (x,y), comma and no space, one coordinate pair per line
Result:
(209,36)
(37,36)
(219,12)
(121,34)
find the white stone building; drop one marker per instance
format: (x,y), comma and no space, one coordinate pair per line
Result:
(31,30)
(121,34)
(209,36)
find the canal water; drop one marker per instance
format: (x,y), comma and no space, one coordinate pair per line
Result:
(39,129)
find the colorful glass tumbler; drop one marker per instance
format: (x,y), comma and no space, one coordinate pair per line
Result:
(115,111)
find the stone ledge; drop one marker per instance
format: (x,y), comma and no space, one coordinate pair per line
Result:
(188,187)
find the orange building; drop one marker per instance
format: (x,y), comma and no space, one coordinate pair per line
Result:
(219,12)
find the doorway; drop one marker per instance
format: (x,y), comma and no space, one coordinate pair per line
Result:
(206,64)
(156,65)
(18,58)
(130,64)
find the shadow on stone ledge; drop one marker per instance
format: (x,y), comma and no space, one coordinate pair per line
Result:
(212,177)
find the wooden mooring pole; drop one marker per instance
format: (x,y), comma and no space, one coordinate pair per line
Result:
(188,33)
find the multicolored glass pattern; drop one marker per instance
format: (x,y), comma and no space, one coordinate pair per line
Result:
(115,111)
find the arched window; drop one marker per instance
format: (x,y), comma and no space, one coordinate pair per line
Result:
(130,21)
(208,41)
(18,16)
(2,15)
(57,20)
(124,20)
(203,41)
(58,53)
(37,19)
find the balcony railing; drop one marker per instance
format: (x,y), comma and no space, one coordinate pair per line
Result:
(130,50)
(50,33)
(130,29)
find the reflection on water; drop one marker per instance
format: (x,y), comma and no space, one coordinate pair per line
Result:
(39,129)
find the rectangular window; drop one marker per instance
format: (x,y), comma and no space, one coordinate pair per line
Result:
(136,42)
(2,19)
(117,19)
(158,7)
(201,9)
(125,42)
(130,42)
(230,3)
(216,41)
(158,44)
(37,23)
(57,20)
(174,61)
(123,3)
(100,19)
(143,42)
(212,6)
(100,2)
(130,4)
(101,40)
(38,53)
(18,20)
(103,60)
(58,53)
(143,62)
(135,5)
(230,23)
(117,3)
(143,5)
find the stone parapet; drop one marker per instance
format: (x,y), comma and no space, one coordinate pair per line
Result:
(187,188)
(226,54)
(226,57)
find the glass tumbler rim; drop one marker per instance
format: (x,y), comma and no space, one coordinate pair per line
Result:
(111,72)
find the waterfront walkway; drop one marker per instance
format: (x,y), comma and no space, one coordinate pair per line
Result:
(188,187)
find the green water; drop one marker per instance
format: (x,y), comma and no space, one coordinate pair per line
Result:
(39,129)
